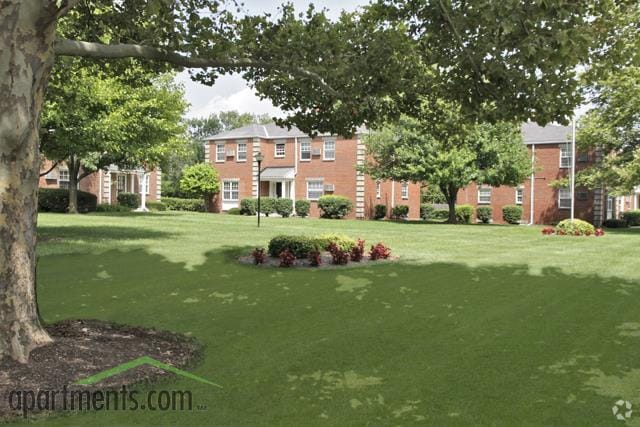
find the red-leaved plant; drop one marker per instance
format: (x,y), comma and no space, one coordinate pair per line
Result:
(287,258)
(339,256)
(258,255)
(599,232)
(357,252)
(379,251)
(315,259)
(548,231)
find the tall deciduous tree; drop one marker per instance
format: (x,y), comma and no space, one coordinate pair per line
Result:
(328,77)
(93,121)
(201,180)
(613,126)
(442,148)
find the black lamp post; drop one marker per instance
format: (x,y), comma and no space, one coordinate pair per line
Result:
(258,158)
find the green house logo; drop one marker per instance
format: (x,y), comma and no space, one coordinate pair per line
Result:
(144,360)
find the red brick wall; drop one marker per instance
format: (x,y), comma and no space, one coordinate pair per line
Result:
(386,193)
(340,172)
(546,210)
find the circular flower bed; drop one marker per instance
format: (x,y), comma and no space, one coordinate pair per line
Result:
(575,227)
(317,251)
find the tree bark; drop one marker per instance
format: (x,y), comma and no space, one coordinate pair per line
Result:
(74,170)
(26,57)
(451,194)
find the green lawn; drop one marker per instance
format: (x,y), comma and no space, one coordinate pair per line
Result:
(473,325)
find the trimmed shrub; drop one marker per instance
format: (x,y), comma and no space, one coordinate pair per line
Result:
(547,231)
(632,217)
(484,214)
(258,255)
(379,251)
(283,207)
(104,207)
(287,258)
(334,207)
(345,243)
(302,208)
(576,227)
(190,205)
(300,246)
(130,200)
(464,214)
(267,205)
(441,214)
(400,211)
(248,206)
(427,211)
(615,223)
(234,211)
(512,214)
(156,206)
(57,200)
(379,211)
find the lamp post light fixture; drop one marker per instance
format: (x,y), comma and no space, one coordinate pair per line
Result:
(258,158)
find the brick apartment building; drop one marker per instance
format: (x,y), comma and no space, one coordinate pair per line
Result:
(298,167)
(550,151)
(105,184)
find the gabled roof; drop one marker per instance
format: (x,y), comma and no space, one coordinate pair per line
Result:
(533,133)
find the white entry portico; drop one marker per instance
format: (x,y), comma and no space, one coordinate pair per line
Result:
(281,182)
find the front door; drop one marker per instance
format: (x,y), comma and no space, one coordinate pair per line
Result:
(279,190)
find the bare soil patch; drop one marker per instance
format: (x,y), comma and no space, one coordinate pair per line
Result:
(82,348)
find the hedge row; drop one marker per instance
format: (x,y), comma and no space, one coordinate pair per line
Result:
(57,200)
(511,214)
(190,205)
(268,205)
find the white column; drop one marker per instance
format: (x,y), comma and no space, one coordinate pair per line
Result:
(293,195)
(143,191)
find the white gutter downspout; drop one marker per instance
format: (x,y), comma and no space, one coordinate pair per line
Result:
(292,187)
(533,183)
(573,170)
(393,194)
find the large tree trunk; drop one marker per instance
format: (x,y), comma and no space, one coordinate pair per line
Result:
(451,194)
(26,40)
(74,171)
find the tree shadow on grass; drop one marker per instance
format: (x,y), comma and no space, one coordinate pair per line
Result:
(487,344)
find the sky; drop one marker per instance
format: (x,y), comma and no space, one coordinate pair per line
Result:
(231,92)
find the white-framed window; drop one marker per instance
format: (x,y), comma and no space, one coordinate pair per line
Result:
(63,178)
(329,149)
(315,188)
(519,195)
(220,153)
(404,190)
(241,155)
(230,190)
(565,155)
(147,183)
(305,150)
(122,182)
(564,198)
(484,195)
(378,189)
(279,149)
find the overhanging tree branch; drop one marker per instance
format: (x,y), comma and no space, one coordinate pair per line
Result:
(65,47)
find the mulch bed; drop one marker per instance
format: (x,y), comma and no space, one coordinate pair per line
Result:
(82,348)
(327,261)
